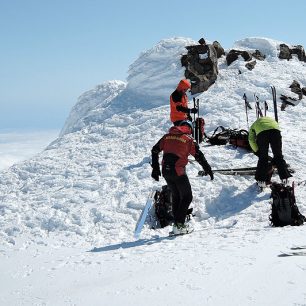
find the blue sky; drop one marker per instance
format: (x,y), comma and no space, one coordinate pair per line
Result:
(53,51)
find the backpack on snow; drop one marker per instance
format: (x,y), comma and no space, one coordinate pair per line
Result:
(284,209)
(240,138)
(199,131)
(163,207)
(220,136)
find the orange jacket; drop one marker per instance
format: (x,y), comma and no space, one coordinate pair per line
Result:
(180,99)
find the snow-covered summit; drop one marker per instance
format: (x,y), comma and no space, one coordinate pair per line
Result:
(150,80)
(155,74)
(87,189)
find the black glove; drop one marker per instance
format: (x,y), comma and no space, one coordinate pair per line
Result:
(156,174)
(210,173)
(193,110)
(189,118)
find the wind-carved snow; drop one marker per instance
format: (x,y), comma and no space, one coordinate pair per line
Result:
(88,187)
(158,70)
(269,47)
(91,104)
(150,79)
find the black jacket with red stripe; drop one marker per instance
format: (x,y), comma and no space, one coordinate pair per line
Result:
(177,145)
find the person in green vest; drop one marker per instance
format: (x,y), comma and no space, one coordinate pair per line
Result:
(265,132)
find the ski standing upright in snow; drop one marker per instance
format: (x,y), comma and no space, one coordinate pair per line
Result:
(144,214)
(274,103)
(247,106)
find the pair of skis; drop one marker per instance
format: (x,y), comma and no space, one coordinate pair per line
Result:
(238,171)
(259,112)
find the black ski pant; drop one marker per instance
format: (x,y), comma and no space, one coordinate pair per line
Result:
(181,196)
(274,139)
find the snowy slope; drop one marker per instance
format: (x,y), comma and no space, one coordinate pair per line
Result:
(67,215)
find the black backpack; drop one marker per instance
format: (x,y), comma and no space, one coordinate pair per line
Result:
(284,209)
(163,206)
(220,136)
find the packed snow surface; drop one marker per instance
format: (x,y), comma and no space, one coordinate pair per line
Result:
(68,214)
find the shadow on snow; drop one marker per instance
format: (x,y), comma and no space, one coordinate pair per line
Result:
(229,203)
(131,244)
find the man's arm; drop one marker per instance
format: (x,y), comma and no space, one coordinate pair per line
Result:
(177,98)
(155,162)
(155,154)
(200,158)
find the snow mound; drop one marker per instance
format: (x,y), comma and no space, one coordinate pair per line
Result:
(158,69)
(267,46)
(91,104)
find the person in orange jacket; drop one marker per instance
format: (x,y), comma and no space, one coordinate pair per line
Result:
(179,110)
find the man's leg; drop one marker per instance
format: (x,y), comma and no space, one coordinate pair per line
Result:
(263,162)
(171,182)
(276,146)
(185,196)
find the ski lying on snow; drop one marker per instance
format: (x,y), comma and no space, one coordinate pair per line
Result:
(235,169)
(301,247)
(287,254)
(238,171)
(144,214)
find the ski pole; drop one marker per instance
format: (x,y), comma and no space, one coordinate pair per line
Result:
(274,102)
(266,108)
(194,122)
(194,105)
(258,109)
(246,109)
(198,125)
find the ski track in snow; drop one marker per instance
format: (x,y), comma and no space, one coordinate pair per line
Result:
(68,214)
